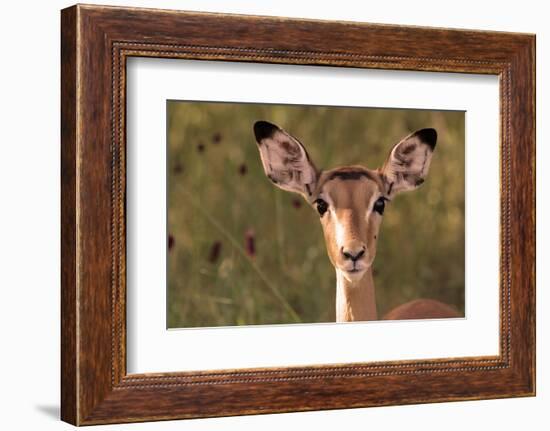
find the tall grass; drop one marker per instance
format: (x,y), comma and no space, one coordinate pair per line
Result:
(243,252)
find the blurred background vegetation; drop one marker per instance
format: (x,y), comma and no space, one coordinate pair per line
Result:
(243,252)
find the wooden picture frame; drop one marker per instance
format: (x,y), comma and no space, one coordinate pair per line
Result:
(96,41)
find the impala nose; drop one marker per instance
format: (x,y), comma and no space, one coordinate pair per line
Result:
(353,254)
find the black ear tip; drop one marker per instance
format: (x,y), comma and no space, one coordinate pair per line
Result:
(429,136)
(264,129)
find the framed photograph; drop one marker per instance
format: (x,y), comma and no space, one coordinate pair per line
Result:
(267,215)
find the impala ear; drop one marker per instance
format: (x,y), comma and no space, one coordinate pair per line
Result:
(408,164)
(285,160)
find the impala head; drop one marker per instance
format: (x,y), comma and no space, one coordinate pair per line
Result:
(350,200)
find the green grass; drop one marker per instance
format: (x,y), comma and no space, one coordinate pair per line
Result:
(219,198)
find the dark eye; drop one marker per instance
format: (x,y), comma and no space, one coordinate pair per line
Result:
(322,206)
(379,205)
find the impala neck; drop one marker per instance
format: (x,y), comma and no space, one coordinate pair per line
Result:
(355,301)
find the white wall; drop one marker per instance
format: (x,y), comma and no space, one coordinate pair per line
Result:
(29,214)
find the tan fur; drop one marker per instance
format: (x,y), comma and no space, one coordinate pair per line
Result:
(351,202)
(350,224)
(422,309)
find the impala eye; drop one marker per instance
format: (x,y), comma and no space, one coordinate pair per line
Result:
(379,205)
(322,206)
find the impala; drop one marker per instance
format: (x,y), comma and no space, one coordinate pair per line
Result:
(350,201)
